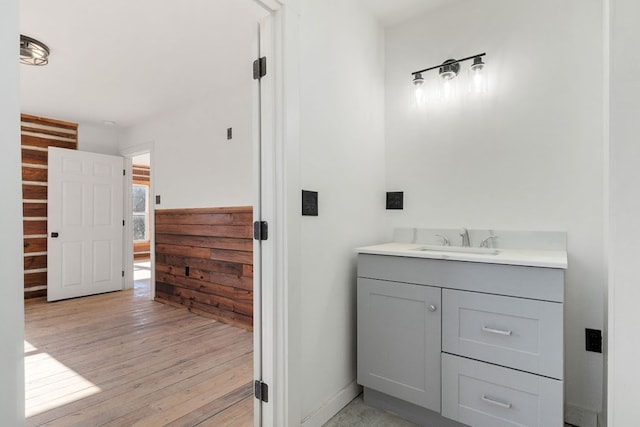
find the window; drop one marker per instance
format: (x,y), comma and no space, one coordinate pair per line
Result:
(140,213)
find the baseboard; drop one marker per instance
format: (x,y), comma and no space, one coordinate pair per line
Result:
(580,417)
(332,406)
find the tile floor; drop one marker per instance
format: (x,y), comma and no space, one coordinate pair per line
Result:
(357,414)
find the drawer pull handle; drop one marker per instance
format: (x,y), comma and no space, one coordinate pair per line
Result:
(504,405)
(496,331)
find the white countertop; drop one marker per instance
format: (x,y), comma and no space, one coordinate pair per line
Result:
(523,257)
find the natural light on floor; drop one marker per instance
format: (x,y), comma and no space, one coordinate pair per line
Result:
(142,270)
(50,384)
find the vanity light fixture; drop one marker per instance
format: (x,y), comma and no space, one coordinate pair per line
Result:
(448,71)
(32,51)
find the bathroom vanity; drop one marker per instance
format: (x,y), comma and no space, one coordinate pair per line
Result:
(450,336)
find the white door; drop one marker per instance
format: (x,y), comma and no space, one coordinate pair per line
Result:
(85,224)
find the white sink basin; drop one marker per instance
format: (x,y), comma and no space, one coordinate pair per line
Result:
(458,249)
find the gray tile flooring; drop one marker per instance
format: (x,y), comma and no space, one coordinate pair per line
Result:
(357,414)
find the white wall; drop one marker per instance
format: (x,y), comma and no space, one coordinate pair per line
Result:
(11,293)
(527,157)
(194,163)
(97,138)
(624,292)
(341,157)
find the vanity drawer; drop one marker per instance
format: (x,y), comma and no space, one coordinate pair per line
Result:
(484,395)
(513,332)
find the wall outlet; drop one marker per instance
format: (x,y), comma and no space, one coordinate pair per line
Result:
(593,340)
(395,199)
(229,133)
(157,200)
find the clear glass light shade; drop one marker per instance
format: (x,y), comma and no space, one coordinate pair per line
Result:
(448,73)
(478,77)
(419,91)
(448,90)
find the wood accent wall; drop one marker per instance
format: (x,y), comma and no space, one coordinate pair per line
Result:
(141,175)
(38,134)
(215,245)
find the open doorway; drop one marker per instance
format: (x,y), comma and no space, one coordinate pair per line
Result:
(141,212)
(113,367)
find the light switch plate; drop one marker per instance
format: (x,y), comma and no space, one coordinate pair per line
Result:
(395,199)
(309,203)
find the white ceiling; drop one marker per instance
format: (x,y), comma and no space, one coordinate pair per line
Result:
(128,60)
(392,12)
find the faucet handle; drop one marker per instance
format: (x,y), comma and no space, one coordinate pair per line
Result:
(485,242)
(445,241)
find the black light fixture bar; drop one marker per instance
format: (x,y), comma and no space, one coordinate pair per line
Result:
(449,63)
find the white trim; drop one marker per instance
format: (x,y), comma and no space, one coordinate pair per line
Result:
(127,252)
(332,406)
(270,5)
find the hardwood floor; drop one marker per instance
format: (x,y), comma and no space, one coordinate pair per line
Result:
(119,359)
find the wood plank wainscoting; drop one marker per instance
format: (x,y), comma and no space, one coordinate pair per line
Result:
(204,261)
(141,176)
(37,135)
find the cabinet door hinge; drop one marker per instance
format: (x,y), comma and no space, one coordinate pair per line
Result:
(261,391)
(260,230)
(260,68)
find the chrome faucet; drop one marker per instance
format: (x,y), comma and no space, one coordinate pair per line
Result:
(445,241)
(464,233)
(485,242)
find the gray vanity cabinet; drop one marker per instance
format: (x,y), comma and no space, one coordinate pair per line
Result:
(399,340)
(449,343)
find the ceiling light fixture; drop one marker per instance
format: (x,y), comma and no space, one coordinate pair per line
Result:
(448,71)
(33,52)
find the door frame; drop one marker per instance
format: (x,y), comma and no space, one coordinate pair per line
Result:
(277,343)
(127,251)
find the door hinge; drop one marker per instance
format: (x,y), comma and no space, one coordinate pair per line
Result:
(122,273)
(123,222)
(261,391)
(260,230)
(124,172)
(260,68)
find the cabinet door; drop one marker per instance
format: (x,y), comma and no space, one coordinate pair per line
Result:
(399,340)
